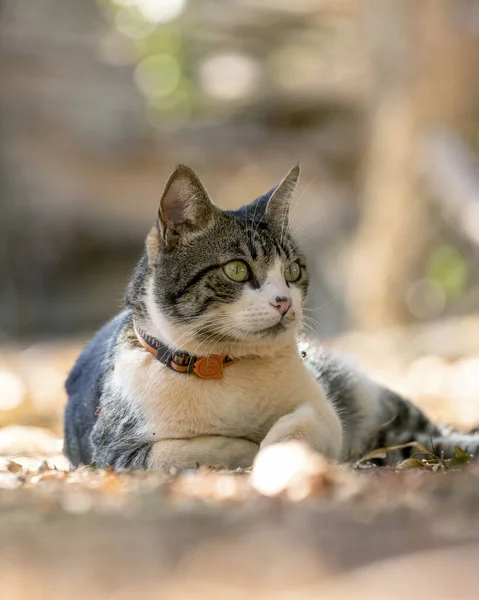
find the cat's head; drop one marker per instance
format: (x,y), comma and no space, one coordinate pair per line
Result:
(216,281)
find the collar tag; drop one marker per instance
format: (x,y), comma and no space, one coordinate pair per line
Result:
(209,367)
(204,367)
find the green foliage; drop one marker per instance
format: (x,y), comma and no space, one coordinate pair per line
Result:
(448,268)
(162,71)
(461,457)
(428,460)
(423,459)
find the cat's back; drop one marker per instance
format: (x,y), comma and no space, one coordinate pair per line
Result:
(84,386)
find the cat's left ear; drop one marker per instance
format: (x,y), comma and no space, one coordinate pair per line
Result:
(277,209)
(185,205)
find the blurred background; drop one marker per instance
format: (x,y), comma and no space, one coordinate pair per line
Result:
(378,100)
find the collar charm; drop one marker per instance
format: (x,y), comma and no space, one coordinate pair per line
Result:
(204,367)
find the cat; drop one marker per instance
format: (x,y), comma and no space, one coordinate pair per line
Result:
(203,366)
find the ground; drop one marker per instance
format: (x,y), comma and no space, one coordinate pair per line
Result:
(294,528)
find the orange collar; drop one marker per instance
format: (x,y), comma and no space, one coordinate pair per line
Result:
(205,367)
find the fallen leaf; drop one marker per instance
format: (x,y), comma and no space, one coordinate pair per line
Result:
(14,467)
(461,458)
(382,452)
(412,463)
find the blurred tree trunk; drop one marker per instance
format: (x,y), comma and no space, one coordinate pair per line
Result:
(419,67)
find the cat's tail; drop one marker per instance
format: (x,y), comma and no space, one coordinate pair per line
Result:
(412,433)
(375,417)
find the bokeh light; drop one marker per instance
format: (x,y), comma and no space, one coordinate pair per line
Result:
(12,390)
(229,76)
(156,11)
(426,299)
(158,75)
(131,22)
(294,66)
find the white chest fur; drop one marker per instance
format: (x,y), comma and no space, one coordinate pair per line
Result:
(252,395)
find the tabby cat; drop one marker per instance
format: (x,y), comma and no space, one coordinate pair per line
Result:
(203,366)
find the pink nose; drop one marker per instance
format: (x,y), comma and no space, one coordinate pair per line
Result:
(282,304)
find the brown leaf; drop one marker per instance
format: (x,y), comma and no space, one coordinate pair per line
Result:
(382,452)
(412,463)
(14,467)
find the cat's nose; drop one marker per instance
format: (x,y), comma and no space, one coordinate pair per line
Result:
(282,304)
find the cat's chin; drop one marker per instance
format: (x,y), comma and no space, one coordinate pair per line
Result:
(270,332)
(250,336)
(264,343)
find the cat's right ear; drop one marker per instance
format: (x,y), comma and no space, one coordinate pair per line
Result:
(185,205)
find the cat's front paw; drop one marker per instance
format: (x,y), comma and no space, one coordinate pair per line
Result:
(286,429)
(304,425)
(291,467)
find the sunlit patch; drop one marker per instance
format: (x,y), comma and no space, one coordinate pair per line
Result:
(289,467)
(19,440)
(229,76)
(12,390)
(130,22)
(156,11)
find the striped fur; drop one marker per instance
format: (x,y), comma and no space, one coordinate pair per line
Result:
(375,417)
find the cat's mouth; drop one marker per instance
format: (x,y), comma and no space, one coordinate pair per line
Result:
(271,331)
(239,334)
(266,332)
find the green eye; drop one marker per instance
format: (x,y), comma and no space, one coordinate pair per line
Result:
(292,272)
(236,270)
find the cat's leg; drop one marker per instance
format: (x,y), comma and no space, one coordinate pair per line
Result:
(130,452)
(320,429)
(206,450)
(373,416)
(122,439)
(181,454)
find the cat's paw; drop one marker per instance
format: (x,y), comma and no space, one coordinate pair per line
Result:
(304,425)
(291,467)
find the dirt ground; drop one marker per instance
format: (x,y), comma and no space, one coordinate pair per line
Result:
(294,528)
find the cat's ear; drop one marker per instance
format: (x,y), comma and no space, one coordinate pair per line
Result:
(277,209)
(185,204)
